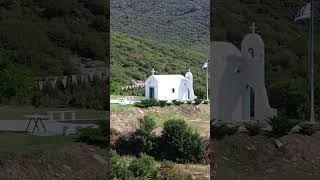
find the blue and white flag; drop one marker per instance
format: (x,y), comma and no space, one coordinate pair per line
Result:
(304,13)
(205,65)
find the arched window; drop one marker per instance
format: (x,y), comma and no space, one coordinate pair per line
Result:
(251,53)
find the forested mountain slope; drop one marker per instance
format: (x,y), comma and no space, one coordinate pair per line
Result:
(49,38)
(43,35)
(132,58)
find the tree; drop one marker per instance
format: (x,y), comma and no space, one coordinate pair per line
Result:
(180,143)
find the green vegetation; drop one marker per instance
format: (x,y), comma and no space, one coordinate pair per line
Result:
(14,142)
(162,103)
(307,129)
(118,168)
(49,38)
(281,126)
(134,57)
(147,141)
(166,171)
(146,103)
(146,168)
(143,166)
(177,102)
(198,101)
(178,142)
(120,107)
(96,136)
(180,22)
(253,128)
(219,131)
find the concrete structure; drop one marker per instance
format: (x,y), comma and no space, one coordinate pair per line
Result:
(170,87)
(238,81)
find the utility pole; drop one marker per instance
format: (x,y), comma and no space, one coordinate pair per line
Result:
(311,58)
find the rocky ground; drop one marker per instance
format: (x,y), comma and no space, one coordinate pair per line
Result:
(126,121)
(242,157)
(69,161)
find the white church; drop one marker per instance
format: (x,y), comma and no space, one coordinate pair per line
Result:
(170,87)
(238,80)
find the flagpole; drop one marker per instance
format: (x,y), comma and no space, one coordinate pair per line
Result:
(207,78)
(311,56)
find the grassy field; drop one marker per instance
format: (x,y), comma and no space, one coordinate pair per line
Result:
(26,156)
(20,142)
(120,96)
(18,112)
(120,107)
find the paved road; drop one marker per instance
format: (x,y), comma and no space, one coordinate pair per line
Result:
(53,127)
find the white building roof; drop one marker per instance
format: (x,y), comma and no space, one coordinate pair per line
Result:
(168,78)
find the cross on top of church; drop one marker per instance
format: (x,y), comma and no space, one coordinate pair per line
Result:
(253,28)
(152,72)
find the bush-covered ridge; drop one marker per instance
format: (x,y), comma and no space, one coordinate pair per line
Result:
(134,57)
(180,22)
(46,35)
(52,38)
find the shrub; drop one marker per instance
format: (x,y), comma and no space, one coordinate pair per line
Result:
(13,80)
(115,88)
(92,135)
(96,136)
(167,172)
(180,143)
(90,46)
(143,140)
(177,102)
(189,102)
(100,24)
(118,168)
(103,126)
(307,129)
(145,136)
(96,6)
(281,126)
(146,103)
(198,101)
(205,102)
(219,131)
(127,145)
(114,132)
(162,103)
(253,128)
(144,166)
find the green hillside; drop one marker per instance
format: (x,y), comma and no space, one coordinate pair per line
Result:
(132,58)
(286,47)
(179,22)
(50,38)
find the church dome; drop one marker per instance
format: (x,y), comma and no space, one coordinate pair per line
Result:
(253,38)
(252,47)
(189,75)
